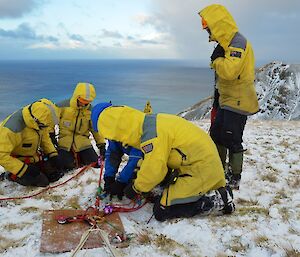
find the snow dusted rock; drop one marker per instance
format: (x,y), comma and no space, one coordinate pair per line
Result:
(278,90)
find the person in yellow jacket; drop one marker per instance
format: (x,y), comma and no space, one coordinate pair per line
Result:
(176,152)
(148,108)
(235,95)
(24,135)
(75,127)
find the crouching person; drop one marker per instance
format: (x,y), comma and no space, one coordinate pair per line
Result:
(75,128)
(114,182)
(169,144)
(24,135)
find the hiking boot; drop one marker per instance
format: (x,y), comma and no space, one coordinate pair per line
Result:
(227,197)
(235,181)
(216,202)
(39,181)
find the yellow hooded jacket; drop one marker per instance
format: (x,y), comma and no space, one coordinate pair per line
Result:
(75,122)
(21,137)
(167,141)
(236,70)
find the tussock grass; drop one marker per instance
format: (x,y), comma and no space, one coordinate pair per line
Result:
(168,245)
(6,243)
(281,194)
(144,238)
(236,246)
(252,210)
(292,252)
(294,182)
(285,214)
(73,202)
(241,201)
(261,240)
(269,177)
(30,209)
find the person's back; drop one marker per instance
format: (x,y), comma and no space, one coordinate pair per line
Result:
(22,135)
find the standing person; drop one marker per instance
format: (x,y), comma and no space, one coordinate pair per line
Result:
(235,95)
(75,127)
(24,137)
(169,143)
(148,108)
(115,184)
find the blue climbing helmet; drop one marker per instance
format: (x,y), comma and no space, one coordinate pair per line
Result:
(96,111)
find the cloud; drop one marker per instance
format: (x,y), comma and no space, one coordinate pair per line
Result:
(111,34)
(25,32)
(77,37)
(16,8)
(154,21)
(268,24)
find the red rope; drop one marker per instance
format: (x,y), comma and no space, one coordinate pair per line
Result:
(49,187)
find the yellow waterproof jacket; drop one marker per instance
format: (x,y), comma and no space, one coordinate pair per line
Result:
(167,141)
(21,137)
(236,71)
(75,122)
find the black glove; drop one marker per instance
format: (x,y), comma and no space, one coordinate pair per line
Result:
(117,189)
(218,52)
(216,98)
(32,171)
(54,176)
(53,139)
(130,192)
(102,150)
(108,181)
(56,162)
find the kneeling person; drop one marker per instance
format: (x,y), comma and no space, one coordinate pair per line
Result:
(23,135)
(169,143)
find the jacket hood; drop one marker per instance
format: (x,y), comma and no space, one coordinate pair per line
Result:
(39,112)
(123,124)
(96,111)
(84,90)
(220,22)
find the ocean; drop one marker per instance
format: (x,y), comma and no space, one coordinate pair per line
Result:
(171,86)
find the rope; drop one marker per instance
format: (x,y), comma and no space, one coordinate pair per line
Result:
(49,187)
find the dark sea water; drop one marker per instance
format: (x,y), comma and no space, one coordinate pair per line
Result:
(171,86)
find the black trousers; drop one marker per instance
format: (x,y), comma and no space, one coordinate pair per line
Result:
(186,210)
(85,157)
(48,174)
(228,129)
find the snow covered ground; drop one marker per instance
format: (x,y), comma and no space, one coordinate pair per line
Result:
(266,222)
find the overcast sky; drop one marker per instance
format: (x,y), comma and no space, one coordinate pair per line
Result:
(84,29)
